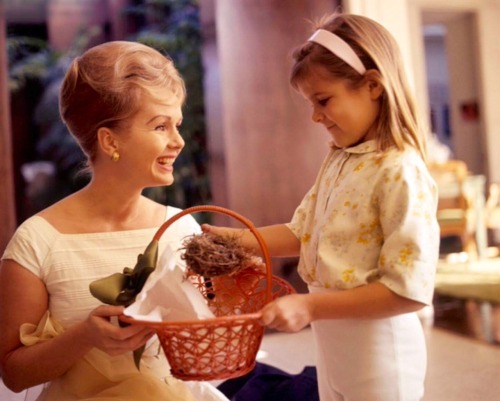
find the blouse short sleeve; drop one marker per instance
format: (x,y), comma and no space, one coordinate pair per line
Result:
(30,245)
(407,201)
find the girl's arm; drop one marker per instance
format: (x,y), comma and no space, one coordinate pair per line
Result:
(372,301)
(279,239)
(24,299)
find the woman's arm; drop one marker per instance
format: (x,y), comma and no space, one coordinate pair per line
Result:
(372,301)
(279,239)
(24,299)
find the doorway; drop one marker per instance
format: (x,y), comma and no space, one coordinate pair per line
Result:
(450,44)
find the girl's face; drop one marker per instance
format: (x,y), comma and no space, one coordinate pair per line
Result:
(348,114)
(151,141)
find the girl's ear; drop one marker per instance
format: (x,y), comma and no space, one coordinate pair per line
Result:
(107,141)
(373,80)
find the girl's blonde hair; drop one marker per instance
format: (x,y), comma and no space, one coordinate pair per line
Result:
(398,122)
(105,86)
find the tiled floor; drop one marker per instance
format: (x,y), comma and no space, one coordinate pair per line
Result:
(459,368)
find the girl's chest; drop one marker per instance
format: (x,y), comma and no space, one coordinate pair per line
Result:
(346,187)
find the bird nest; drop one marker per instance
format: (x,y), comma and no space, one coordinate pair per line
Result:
(211,255)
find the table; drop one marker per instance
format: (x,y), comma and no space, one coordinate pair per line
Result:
(477,280)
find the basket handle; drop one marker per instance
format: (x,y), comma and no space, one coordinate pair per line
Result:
(237,216)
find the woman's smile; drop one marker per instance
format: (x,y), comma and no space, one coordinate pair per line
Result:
(166,162)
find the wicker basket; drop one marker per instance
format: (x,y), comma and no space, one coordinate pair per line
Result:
(225,346)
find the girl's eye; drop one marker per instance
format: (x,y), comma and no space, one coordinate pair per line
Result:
(323,102)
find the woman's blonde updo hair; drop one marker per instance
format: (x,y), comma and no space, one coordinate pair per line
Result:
(398,123)
(104,86)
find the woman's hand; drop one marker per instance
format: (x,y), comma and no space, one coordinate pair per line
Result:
(290,313)
(99,332)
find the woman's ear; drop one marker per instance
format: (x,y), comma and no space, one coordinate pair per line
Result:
(107,141)
(373,80)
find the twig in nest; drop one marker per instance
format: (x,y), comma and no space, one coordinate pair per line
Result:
(211,255)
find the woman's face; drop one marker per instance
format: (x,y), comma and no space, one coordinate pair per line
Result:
(348,114)
(151,141)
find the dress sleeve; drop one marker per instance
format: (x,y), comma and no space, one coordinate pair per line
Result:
(407,201)
(29,246)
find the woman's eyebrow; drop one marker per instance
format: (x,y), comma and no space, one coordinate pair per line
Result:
(169,118)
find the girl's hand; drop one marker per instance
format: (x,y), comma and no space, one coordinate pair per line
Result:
(290,313)
(100,333)
(224,231)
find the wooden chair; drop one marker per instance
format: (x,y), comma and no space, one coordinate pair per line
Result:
(456,215)
(493,206)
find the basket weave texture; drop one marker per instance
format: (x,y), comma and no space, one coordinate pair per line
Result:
(225,346)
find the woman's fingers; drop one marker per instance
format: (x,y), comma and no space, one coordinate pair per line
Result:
(111,338)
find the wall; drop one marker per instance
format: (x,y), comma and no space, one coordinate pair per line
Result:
(464,89)
(74,17)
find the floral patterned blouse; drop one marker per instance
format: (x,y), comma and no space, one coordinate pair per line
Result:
(370,216)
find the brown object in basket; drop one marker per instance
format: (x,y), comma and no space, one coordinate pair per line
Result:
(225,346)
(211,255)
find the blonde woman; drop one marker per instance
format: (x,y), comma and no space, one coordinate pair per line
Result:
(122,101)
(366,232)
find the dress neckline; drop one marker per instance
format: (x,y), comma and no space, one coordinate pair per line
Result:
(137,231)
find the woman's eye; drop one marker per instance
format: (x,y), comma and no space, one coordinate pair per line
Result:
(160,127)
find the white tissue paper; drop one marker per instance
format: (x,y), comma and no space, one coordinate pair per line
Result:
(168,296)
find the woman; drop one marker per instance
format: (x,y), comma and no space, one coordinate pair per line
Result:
(122,101)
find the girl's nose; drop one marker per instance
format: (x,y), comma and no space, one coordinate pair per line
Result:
(317,117)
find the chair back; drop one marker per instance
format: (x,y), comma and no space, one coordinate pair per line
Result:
(450,178)
(455,210)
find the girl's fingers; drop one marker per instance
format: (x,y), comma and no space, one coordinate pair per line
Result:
(206,228)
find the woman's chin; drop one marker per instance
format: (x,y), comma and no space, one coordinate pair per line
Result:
(163,181)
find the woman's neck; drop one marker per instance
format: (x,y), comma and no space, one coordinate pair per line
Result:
(104,208)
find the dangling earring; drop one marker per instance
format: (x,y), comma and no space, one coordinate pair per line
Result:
(115,156)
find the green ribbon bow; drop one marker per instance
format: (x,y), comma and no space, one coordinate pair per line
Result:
(122,288)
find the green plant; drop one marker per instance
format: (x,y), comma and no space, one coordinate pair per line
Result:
(28,58)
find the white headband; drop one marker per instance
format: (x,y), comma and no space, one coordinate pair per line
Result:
(338,47)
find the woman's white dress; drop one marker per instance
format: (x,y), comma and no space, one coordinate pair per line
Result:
(67,264)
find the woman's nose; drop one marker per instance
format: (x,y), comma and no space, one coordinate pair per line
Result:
(177,141)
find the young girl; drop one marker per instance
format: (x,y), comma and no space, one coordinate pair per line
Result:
(366,231)
(122,101)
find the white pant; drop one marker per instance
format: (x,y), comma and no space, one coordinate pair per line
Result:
(370,360)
